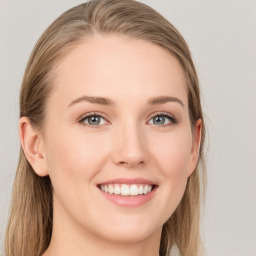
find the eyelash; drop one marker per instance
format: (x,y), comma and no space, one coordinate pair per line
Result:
(172,119)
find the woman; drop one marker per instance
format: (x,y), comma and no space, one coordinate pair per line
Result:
(112,136)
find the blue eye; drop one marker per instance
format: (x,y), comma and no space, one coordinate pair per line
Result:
(163,119)
(92,120)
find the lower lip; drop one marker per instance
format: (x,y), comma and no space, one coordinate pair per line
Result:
(129,201)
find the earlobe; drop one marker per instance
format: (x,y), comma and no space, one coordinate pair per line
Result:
(195,146)
(33,146)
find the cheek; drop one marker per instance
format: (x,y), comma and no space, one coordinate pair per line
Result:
(171,157)
(73,161)
(173,162)
(73,154)
(174,154)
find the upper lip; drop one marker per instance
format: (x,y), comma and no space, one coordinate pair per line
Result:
(129,181)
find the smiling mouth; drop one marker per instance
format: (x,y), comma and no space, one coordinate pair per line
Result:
(127,189)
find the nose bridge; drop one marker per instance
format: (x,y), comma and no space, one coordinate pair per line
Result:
(129,146)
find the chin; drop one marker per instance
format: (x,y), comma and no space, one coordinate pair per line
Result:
(129,236)
(130,231)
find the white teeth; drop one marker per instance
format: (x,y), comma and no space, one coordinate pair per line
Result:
(127,190)
(145,190)
(141,190)
(117,190)
(134,191)
(110,189)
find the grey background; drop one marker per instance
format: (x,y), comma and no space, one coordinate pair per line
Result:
(222,38)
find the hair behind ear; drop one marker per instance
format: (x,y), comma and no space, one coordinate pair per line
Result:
(31,212)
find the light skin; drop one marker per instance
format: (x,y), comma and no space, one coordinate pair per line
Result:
(133,138)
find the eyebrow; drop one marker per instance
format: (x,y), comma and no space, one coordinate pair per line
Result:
(94,100)
(164,99)
(108,102)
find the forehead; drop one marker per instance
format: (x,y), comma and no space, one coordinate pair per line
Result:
(119,67)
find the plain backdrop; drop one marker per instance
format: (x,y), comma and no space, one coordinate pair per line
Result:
(222,38)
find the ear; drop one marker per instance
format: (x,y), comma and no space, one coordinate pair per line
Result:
(33,146)
(196,140)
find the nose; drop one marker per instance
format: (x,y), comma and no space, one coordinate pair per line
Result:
(130,146)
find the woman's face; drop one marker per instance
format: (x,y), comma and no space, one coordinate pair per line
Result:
(118,122)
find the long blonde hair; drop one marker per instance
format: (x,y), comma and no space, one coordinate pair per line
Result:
(30,224)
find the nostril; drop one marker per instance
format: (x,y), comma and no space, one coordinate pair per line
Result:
(131,163)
